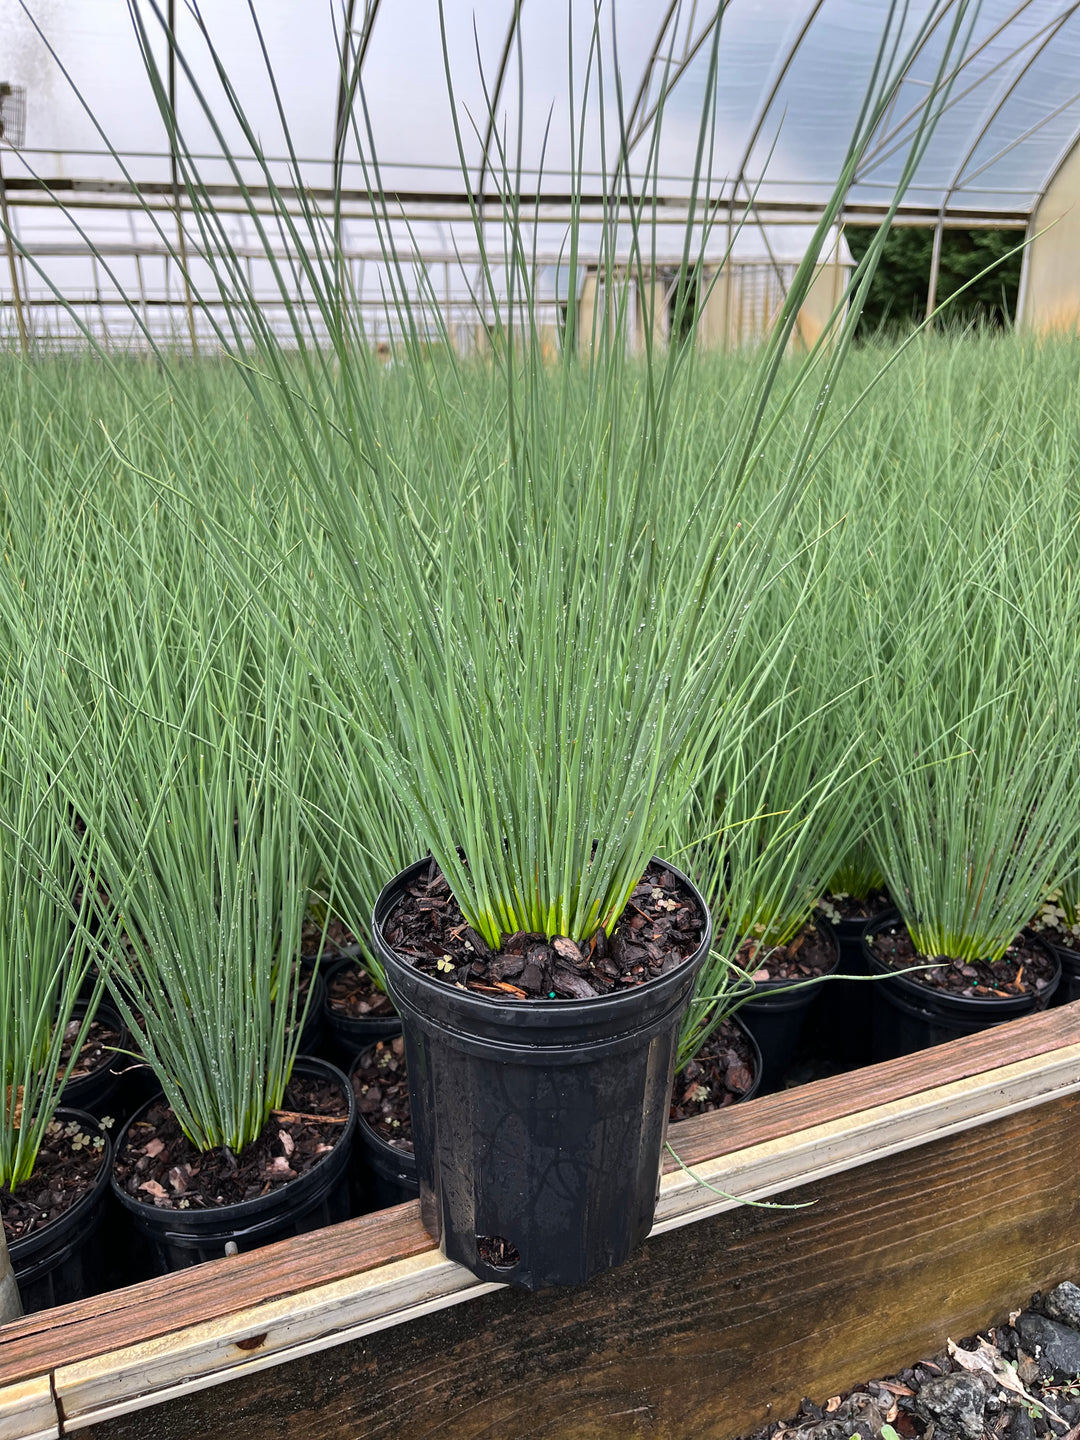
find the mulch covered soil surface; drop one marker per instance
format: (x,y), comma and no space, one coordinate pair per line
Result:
(1026,968)
(1012,1382)
(66,1167)
(847,907)
(808,955)
(381,1087)
(353,994)
(98,1050)
(720,1074)
(158,1164)
(659,929)
(339,939)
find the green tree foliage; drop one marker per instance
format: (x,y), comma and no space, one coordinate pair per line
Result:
(897,295)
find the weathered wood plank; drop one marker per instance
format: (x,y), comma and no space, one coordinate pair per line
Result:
(780,1114)
(127,1317)
(709,1329)
(140,1375)
(28,1412)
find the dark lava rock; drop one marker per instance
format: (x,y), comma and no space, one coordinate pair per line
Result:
(1055,1346)
(956,1404)
(1021,1425)
(1063,1303)
(858,1418)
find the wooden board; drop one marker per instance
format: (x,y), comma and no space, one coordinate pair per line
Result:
(710,1329)
(123,1355)
(125,1317)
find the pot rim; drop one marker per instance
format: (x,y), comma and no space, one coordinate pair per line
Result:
(597,1007)
(914,985)
(302,1062)
(25,1248)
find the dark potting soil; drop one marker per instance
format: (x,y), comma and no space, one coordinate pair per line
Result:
(381,1087)
(97,1050)
(720,1074)
(1065,938)
(1003,1384)
(65,1169)
(809,954)
(353,993)
(340,940)
(847,907)
(1024,969)
(659,929)
(159,1165)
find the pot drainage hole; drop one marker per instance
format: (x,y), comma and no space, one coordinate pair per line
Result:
(496,1251)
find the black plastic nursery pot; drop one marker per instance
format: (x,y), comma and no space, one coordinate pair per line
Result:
(175,1239)
(755,1053)
(311,1035)
(909,1016)
(538,1126)
(64,1260)
(100,1092)
(348,1036)
(382,1174)
(844,1016)
(1069,989)
(777,1015)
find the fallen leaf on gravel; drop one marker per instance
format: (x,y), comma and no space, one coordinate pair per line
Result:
(988,1361)
(1026,1367)
(832,1404)
(894,1387)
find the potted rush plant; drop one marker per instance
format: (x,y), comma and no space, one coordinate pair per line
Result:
(1058,922)
(548,618)
(189,772)
(773,813)
(971,637)
(54,1162)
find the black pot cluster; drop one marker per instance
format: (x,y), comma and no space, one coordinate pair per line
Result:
(521,1092)
(537,1129)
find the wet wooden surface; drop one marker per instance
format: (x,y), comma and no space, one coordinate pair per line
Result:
(710,1329)
(76,1332)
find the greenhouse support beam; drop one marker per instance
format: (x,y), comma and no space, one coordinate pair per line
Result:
(13,268)
(101,194)
(174,178)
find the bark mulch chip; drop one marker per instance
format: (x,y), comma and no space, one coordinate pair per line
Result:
(720,1074)
(659,929)
(1014,1381)
(808,955)
(381,1087)
(159,1165)
(1024,969)
(355,995)
(66,1167)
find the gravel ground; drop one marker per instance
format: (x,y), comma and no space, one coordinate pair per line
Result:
(1014,1381)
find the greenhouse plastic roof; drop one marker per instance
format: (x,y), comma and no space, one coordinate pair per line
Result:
(790,79)
(542,95)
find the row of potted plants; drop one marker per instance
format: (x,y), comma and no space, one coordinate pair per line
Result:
(559,629)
